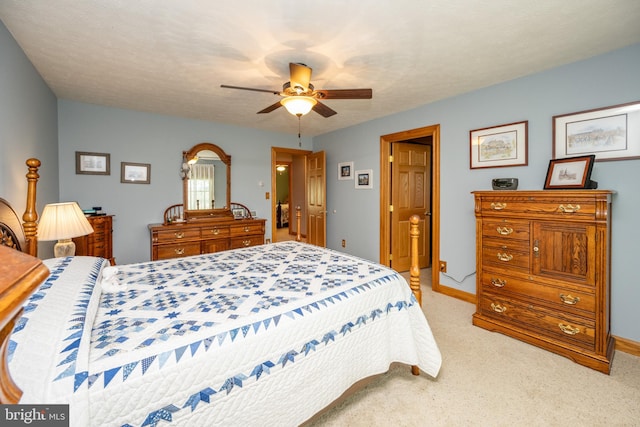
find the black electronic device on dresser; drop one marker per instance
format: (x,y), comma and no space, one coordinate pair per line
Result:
(504,183)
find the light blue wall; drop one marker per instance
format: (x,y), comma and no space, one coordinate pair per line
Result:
(28,128)
(131,136)
(602,81)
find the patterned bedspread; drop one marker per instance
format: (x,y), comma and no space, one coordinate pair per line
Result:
(240,337)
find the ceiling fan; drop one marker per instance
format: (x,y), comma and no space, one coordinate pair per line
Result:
(300,97)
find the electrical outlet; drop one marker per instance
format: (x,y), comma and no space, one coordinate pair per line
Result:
(443,266)
(344,243)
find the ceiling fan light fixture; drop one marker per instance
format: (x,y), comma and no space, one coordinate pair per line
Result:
(298,105)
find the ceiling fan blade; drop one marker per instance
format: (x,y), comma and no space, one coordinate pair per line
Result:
(300,75)
(345,93)
(270,108)
(251,88)
(323,110)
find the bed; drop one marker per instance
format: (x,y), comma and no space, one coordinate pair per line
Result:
(266,335)
(282,215)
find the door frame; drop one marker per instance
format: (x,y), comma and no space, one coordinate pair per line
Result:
(385,195)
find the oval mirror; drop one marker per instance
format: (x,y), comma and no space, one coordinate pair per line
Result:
(206,182)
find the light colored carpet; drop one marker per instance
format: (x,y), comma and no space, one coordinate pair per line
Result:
(489,379)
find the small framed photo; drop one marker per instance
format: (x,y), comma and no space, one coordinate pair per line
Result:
(364,179)
(345,170)
(572,172)
(92,163)
(135,173)
(238,213)
(499,146)
(611,133)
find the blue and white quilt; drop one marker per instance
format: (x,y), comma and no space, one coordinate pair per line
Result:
(266,335)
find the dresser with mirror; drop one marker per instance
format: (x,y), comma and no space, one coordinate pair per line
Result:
(205,222)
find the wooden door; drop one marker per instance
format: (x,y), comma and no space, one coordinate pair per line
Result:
(316,199)
(411,195)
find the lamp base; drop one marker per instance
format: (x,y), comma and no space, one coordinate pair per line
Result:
(64,248)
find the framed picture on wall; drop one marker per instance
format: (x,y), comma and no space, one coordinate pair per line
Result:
(499,146)
(345,170)
(92,163)
(364,179)
(135,173)
(611,133)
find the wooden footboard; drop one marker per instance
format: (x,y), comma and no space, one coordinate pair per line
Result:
(20,275)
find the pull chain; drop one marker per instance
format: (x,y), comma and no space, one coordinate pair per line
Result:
(299,140)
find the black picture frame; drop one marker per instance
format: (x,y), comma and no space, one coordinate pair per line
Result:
(570,173)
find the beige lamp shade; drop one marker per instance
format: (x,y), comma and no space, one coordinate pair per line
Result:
(298,105)
(62,222)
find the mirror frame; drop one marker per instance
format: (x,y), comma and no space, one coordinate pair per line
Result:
(204,214)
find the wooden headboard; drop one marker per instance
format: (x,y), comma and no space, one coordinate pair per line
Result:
(20,272)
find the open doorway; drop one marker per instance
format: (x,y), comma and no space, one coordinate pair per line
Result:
(288,190)
(391,192)
(282,196)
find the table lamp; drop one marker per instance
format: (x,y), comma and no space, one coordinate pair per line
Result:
(61,222)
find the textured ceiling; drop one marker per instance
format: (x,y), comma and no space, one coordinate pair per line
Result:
(171,56)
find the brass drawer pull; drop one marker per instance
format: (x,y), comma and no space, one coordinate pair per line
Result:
(179,251)
(568,299)
(498,206)
(215,231)
(246,228)
(505,231)
(569,208)
(246,242)
(179,234)
(568,329)
(505,257)
(498,308)
(498,283)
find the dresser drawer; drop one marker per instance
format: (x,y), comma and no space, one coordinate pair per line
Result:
(246,241)
(534,319)
(505,253)
(177,234)
(506,228)
(244,229)
(178,250)
(571,300)
(99,250)
(214,231)
(570,208)
(100,222)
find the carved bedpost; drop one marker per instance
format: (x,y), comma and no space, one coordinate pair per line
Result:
(30,216)
(414,271)
(298,216)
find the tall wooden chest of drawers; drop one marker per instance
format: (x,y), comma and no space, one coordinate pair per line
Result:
(543,261)
(184,239)
(100,242)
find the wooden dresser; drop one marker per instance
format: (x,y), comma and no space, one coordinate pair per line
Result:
(543,266)
(184,239)
(100,242)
